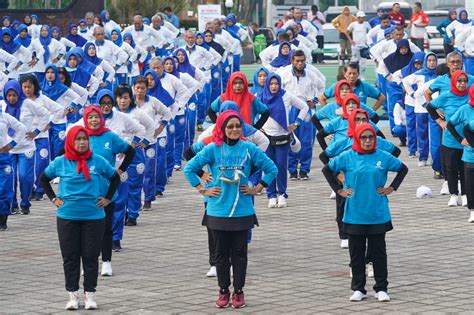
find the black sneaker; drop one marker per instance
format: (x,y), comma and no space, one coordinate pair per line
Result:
(3,222)
(14,210)
(294,176)
(402,144)
(25,210)
(131,222)
(159,194)
(146,206)
(116,247)
(303,175)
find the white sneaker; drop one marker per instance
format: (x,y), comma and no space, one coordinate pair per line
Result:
(421,163)
(344,243)
(444,189)
(382,296)
(281,202)
(90,303)
(370,270)
(272,203)
(464,200)
(106,268)
(471,218)
(357,296)
(453,201)
(333,195)
(212,272)
(56,180)
(73,303)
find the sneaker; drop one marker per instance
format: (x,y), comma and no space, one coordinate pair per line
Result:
(471,217)
(25,210)
(453,201)
(438,175)
(444,189)
(304,175)
(177,167)
(294,176)
(272,203)
(281,201)
(370,270)
(159,194)
(106,269)
(382,296)
(344,243)
(14,210)
(412,155)
(357,296)
(89,301)
(223,300)
(146,206)
(199,127)
(39,197)
(464,200)
(402,144)
(3,222)
(421,163)
(212,272)
(116,247)
(131,222)
(238,300)
(73,303)
(333,195)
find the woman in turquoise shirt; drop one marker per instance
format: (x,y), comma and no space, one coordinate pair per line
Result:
(451,150)
(366,213)
(81,199)
(230,212)
(459,126)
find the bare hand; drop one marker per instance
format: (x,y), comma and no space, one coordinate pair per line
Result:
(103,84)
(441,114)
(30,135)
(247,190)
(311,103)
(442,123)
(340,177)
(32,63)
(55,60)
(385,191)
(159,130)
(58,202)
(292,128)
(102,202)
(207,177)
(47,127)
(329,137)
(212,192)
(345,193)
(6,148)
(464,142)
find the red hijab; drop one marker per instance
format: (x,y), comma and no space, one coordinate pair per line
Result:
(356,146)
(349,97)
(218,134)
(471,95)
(337,93)
(71,153)
(102,128)
(454,78)
(352,123)
(244,100)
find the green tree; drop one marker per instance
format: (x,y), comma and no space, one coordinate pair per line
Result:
(123,10)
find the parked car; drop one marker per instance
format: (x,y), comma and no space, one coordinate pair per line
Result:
(433,41)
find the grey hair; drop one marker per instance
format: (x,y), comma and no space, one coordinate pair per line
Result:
(452,54)
(155,60)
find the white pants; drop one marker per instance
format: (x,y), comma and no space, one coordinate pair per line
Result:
(357,58)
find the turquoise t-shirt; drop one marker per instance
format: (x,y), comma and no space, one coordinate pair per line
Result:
(329,111)
(364,173)
(337,147)
(363,90)
(461,118)
(442,84)
(108,145)
(449,104)
(338,127)
(79,194)
(258,107)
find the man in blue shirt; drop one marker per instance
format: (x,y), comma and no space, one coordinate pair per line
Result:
(360,88)
(171,17)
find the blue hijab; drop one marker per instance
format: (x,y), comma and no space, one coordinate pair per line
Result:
(15,29)
(429,74)
(466,20)
(103,15)
(247,129)
(281,60)
(129,35)
(185,66)
(294,41)
(78,75)
(100,95)
(146,20)
(76,39)
(25,42)
(53,89)
(274,101)
(45,42)
(13,109)
(257,89)
(175,71)
(276,42)
(234,28)
(95,60)
(12,46)
(158,91)
(79,29)
(55,28)
(396,61)
(302,33)
(119,40)
(410,68)
(204,44)
(215,45)
(87,66)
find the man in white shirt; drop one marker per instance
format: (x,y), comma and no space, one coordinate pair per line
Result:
(164,38)
(307,26)
(143,35)
(359,30)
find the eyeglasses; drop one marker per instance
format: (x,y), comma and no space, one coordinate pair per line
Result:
(461,80)
(106,104)
(235,126)
(363,119)
(455,62)
(367,138)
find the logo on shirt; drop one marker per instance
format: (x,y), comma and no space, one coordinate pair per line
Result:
(44,153)
(107,145)
(62,134)
(162,142)
(7,169)
(216,75)
(181,121)
(124,177)
(171,129)
(379,165)
(92,168)
(140,168)
(192,106)
(29,154)
(150,153)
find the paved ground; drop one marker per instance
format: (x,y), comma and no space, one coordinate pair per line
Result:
(296,265)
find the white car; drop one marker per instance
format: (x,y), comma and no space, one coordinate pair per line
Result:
(433,41)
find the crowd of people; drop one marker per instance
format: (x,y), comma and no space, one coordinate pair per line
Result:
(109,114)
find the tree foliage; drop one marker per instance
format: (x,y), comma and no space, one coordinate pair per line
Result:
(124,10)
